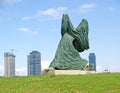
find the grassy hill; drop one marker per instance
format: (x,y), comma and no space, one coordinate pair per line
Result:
(90,83)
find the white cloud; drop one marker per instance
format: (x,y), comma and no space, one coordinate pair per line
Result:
(86,7)
(9,1)
(45,64)
(21,71)
(111,9)
(111,68)
(114,68)
(100,68)
(1,70)
(24,29)
(27,30)
(27,18)
(34,33)
(54,13)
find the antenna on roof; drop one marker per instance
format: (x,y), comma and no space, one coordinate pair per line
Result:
(12,50)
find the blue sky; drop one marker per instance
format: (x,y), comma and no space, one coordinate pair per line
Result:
(27,25)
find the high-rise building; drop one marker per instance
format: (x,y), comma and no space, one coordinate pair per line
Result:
(92,61)
(9,64)
(34,63)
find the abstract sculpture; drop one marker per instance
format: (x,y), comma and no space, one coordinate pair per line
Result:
(74,40)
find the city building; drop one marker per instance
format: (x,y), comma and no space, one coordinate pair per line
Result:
(92,61)
(34,63)
(9,64)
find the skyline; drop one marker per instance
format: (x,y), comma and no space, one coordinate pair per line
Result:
(28,25)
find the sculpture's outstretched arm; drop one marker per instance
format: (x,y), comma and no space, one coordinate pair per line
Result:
(82,30)
(83,26)
(66,25)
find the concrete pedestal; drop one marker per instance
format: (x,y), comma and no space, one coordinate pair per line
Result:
(66,72)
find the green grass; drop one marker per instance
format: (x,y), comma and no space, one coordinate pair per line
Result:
(90,83)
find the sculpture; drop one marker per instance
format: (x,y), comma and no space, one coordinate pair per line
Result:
(74,40)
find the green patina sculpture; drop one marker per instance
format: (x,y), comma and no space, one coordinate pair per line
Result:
(74,40)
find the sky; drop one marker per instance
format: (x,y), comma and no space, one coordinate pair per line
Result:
(28,25)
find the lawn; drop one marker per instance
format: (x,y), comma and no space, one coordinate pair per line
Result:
(89,83)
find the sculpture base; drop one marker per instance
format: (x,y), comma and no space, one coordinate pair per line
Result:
(66,72)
